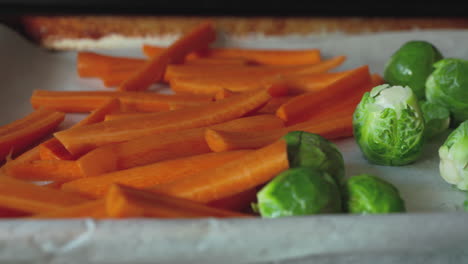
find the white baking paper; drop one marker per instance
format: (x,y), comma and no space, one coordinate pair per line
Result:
(435,229)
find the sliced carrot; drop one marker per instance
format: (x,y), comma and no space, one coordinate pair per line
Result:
(163,146)
(273,105)
(153,71)
(231,178)
(272,57)
(153,174)
(52,149)
(82,139)
(215,71)
(218,61)
(46,170)
(54,185)
(223,94)
(19,135)
(335,92)
(87,101)
(330,128)
(92,209)
(31,198)
(91,64)
(122,201)
(12,213)
(239,202)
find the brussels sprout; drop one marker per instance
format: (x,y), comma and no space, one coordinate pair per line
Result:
(299,191)
(454,157)
(314,151)
(411,65)
(437,118)
(389,126)
(448,86)
(368,194)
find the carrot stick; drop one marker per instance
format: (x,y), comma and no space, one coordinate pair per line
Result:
(231,178)
(11,213)
(218,61)
(153,71)
(153,174)
(163,146)
(273,105)
(18,135)
(216,71)
(239,202)
(82,139)
(223,94)
(335,92)
(46,170)
(122,201)
(114,79)
(272,57)
(31,198)
(87,101)
(54,185)
(90,64)
(52,149)
(330,128)
(92,209)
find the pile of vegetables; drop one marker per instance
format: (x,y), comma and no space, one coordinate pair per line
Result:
(246,133)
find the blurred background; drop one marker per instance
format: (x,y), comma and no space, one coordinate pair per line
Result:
(49,22)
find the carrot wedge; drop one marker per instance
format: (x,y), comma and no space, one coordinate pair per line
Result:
(92,209)
(87,101)
(153,71)
(122,201)
(82,139)
(46,170)
(17,139)
(152,174)
(31,198)
(269,57)
(231,178)
(164,146)
(91,64)
(52,149)
(330,128)
(335,92)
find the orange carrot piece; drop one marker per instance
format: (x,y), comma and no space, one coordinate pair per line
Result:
(223,94)
(31,198)
(271,57)
(153,71)
(163,146)
(329,127)
(115,79)
(52,149)
(239,202)
(87,101)
(239,175)
(46,170)
(217,71)
(82,139)
(90,64)
(210,85)
(273,105)
(153,174)
(12,213)
(92,209)
(335,92)
(54,185)
(218,61)
(122,201)
(15,141)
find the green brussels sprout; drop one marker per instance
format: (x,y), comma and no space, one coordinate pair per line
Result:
(368,194)
(314,151)
(448,86)
(437,118)
(299,191)
(389,126)
(411,65)
(453,155)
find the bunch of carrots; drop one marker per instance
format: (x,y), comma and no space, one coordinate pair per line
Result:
(200,152)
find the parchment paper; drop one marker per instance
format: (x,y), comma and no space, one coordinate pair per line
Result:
(435,230)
